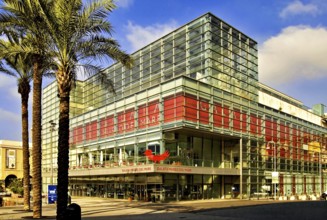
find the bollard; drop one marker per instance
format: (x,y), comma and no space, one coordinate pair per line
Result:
(74,212)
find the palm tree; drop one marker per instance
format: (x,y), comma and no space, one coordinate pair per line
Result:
(20,68)
(26,17)
(80,34)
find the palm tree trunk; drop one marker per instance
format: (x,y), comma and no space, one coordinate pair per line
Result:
(25,90)
(63,155)
(36,136)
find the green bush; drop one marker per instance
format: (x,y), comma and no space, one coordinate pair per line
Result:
(16,186)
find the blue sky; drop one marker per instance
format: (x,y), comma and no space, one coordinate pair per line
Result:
(291,36)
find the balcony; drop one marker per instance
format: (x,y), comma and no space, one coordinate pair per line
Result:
(144,165)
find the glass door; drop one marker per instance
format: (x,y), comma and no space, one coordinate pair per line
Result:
(140,192)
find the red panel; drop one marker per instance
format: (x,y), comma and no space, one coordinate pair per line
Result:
(125,121)
(253,124)
(284,139)
(275,132)
(306,138)
(121,122)
(299,153)
(174,108)
(204,112)
(294,152)
(295,143)
(179,110)
(107,126)
(87,132)
(169,109)
(236,120)
(287,152)
(282,136)
(103,127)
(268,130)
(287,134)
(226,116)
(153,113)
(244,122)
(79,134)
(282,152)
(129,120)
(110,123)
(269,149)
(217,115)
(142,117)
(191,109)
(91,130)
(306,155)
(259,126)
(94,130)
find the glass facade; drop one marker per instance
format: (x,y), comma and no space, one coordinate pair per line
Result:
(193,99)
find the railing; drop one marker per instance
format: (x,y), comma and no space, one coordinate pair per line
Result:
(174,161)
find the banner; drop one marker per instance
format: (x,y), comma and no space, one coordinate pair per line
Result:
(52,194)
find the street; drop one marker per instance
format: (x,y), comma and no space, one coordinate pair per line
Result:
(101,209)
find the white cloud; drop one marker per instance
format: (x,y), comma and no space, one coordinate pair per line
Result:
(7,116)
(297,53)
(10,128)
(6,81)
(8,87)
(13,91)
(297,7)
(123,3)
(140,36)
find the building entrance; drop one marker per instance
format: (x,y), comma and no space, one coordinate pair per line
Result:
(140,192)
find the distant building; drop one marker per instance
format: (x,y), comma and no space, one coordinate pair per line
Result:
(189,121)
(11,161)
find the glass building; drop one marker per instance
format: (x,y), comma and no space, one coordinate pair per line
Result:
(189,121)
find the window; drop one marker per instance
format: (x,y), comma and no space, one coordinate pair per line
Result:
(11,159)
(154,147)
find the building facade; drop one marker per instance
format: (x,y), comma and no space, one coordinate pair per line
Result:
(11,161)
(189,121)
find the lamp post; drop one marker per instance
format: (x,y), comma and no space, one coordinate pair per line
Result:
(52,129)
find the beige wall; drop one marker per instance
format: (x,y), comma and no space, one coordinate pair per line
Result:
(11,154)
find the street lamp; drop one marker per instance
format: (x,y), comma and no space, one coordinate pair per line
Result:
(52,129)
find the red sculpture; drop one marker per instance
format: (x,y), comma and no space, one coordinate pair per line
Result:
(156,158)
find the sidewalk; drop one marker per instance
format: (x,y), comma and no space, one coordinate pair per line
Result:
(103,209)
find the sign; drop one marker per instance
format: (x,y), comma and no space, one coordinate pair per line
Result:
(143,169)
(174,169)
(52,194)
(274,177)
